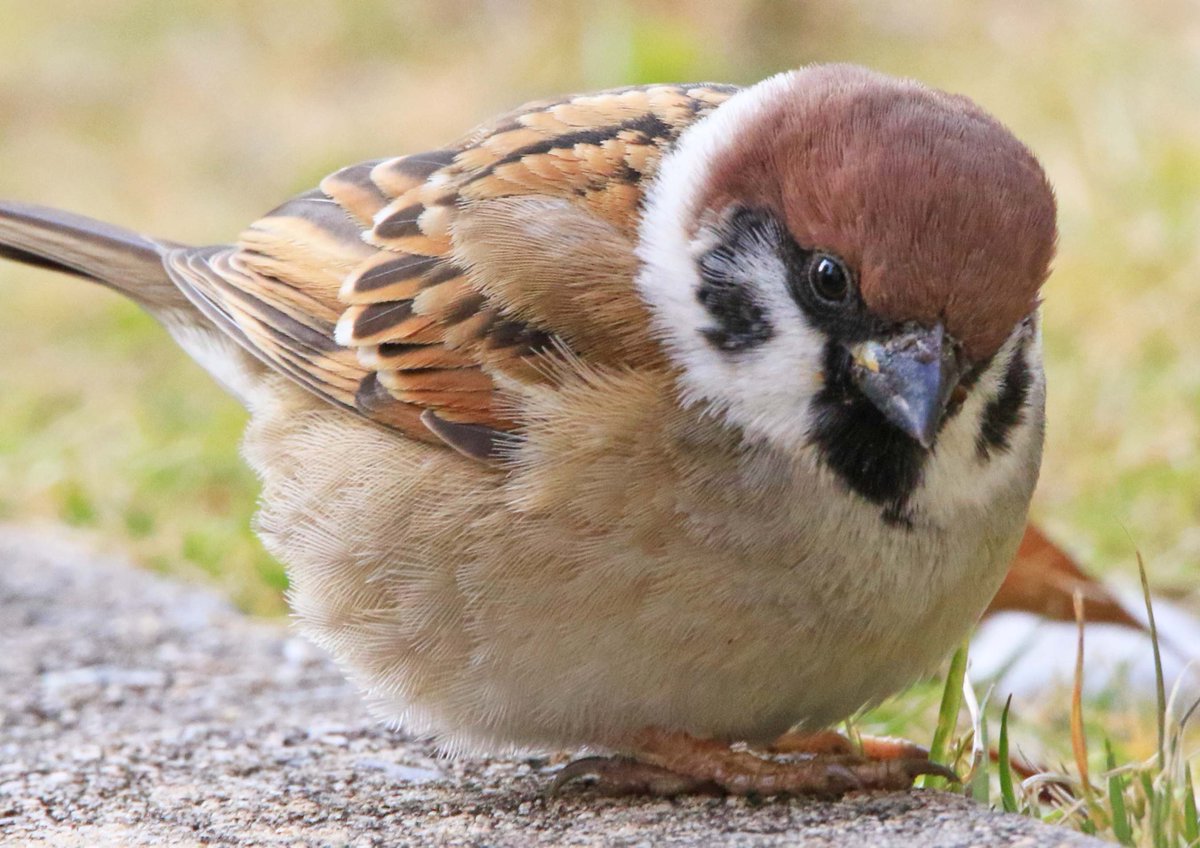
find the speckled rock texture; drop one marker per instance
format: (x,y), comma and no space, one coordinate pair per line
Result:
(139,711)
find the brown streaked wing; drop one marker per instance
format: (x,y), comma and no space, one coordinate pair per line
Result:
(597,150)
(514,241)
(279,331)
(405,286)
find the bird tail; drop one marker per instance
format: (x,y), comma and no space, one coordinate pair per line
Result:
(120,259)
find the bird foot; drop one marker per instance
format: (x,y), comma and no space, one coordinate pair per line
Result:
(627,776)
(832,742)
(674,763)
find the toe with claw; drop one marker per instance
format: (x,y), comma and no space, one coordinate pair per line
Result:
(674,763)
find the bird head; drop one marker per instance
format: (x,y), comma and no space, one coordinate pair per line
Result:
(849,264)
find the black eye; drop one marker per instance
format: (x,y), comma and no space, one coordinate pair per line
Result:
(828,278)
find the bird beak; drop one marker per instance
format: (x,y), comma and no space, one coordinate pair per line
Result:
(909,377)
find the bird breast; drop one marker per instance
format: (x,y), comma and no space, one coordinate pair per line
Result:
(634,566)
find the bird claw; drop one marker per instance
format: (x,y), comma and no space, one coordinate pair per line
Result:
(918,768)
(842,779)
(627,776)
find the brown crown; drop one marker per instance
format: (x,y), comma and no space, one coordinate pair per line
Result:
(941,212)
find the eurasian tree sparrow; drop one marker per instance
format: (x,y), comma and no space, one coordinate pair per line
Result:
(648,421)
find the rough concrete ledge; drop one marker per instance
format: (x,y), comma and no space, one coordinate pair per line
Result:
(138,711)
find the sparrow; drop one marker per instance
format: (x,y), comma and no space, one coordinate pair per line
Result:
(670,423)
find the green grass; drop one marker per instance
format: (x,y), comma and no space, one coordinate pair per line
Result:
(189,119)
(1147,801)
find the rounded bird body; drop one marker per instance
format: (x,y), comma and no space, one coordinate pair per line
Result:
(675,407)
(636,566)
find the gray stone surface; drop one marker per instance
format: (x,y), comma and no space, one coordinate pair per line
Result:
(139,711)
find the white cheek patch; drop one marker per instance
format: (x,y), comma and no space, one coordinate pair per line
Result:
(764,389)
(762,386)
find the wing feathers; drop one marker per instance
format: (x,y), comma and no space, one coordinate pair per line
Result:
(579,283)
(416,284)
(353,189)
(292,341)
(378,404)
(398,223)
(396,176)
(387,277)
(396,356)
(449,301)
(471,440)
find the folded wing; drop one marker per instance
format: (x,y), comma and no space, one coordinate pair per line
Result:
(411,289)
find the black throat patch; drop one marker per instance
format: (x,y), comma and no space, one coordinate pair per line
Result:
(863,448)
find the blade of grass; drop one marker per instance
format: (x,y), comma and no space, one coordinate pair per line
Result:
(850,728)
(1159,807)
(1004,763)
(1187,716)
(1078,734)
(1147,787)
(978,781)
(1191,818)
(1160,685)
(948,711)
(1121,827)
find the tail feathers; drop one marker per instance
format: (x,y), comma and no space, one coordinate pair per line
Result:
(118,258)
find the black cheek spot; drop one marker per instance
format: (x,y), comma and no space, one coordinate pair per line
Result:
(727,292)
(741,322)
(855,440)
(1006,410)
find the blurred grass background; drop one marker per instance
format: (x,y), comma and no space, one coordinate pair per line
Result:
(189,119)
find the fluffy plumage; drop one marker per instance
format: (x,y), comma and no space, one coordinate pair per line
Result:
(667,504)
